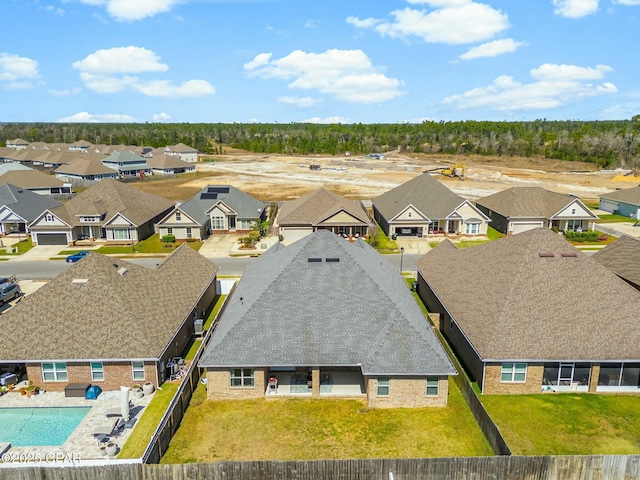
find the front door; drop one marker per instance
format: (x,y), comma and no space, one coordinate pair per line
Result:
(566,374)
(232,223)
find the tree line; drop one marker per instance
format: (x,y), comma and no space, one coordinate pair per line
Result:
(606,143)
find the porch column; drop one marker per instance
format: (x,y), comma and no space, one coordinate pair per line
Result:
(593,381)
(315,382)
(446,227)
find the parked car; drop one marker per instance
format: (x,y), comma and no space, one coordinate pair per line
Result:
(9,291)
(76,256)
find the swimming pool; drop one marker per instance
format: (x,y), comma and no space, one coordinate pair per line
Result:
(33,427)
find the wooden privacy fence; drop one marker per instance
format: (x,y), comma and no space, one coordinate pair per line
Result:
(593,467)
(173,416)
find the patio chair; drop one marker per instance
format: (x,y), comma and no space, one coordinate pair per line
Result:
(110,429)
(273,385)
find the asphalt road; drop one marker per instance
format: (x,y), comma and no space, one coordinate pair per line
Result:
(234,266)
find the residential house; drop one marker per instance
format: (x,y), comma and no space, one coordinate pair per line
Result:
(519,209)
(329,320)
(163,164)
(19,207)
(214,209)
(86,167)
(17,144)
(108,322)
(110,211)
(424,206)
(530,313)
(185,152)
(127,164)
(80,146)
(34,180)
(624,202)
(322,210)
(622,257)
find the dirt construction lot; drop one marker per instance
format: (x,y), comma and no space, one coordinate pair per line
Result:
(281,178)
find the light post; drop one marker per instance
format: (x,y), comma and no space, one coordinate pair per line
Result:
(401,257)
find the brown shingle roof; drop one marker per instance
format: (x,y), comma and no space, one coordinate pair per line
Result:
(111,316)
(91,165)
(30,179)
(316,206)
(109,197)
(622,257)
(526,202)
(514,304)
(166,161)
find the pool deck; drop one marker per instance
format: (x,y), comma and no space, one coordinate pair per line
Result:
(81,444)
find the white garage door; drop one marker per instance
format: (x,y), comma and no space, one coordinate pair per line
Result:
(524,226)
(294,234)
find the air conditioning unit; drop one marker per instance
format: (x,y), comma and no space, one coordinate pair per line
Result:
(198,326)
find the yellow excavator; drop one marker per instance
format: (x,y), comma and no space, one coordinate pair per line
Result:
(455,170)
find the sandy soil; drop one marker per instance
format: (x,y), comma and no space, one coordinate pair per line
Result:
(280,178)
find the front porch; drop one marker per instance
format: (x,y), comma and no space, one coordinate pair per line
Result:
(313,383)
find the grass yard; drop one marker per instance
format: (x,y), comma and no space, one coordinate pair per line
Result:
(136,444)
(150,245)
(297,429)
(613,218)
(567,424)
(23,247)
(384,244)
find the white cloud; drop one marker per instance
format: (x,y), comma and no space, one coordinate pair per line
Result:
(130,10)
(452,22)
(106,71)
(629,3)
(492,49)
(258,61)
(440,3)
(556,85)
(575,8)
(335,119)
(56,10)
(161,117)
(18,73)
(121,60)
(346,75)
(65,93)
(303,102)
(86,117)
(311,23)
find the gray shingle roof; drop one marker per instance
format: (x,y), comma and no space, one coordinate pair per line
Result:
(111,316)
(287,311)
(242,203)
(316,206)
(24,202)
(514,304)
(424,192)
(526,202)
(626,195)
(622,257)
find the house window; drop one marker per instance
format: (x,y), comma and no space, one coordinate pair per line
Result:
(432,386)
(471,228)
(383,386)
(189,234)
(54,372)
(410,214)
(138,370)
(513,372)
(121,234)
(169,231)
(48,217)
(97,371)
(217,223)
(573,211)
(573,224)
(242,377)
(178,216)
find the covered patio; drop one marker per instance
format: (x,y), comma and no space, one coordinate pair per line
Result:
(339,382)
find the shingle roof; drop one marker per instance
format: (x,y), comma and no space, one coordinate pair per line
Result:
(514,304)
(316,206)
(526,202)
(30,179)
(287,311)
(24,202)
(111,316)
(622,257)
(627,195)
(181,148)
(124,156)
(109,197)
(424,192)
(85,167)
(166,161)
(242,203)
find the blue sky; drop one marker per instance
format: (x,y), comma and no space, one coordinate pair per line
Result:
(318,61)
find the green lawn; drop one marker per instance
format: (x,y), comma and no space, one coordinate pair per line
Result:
(136,444)
(567,424)
(217,305)
(150,245)
(23,246)
(297,429)
(613,218)
(384,244)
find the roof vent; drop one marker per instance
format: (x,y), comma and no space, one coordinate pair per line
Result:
(332,260)
(122,270)
(314,259)
(80,281)
(569,254)
(546,254)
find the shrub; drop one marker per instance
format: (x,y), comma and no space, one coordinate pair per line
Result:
(191,240)
(580,237)
(555,229)
(168,238)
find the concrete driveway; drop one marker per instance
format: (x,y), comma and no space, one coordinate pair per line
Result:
(413,245)
(219,245)
(618,229)
(37,253)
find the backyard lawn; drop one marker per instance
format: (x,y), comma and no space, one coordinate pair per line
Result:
(567,424)
(296,429)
